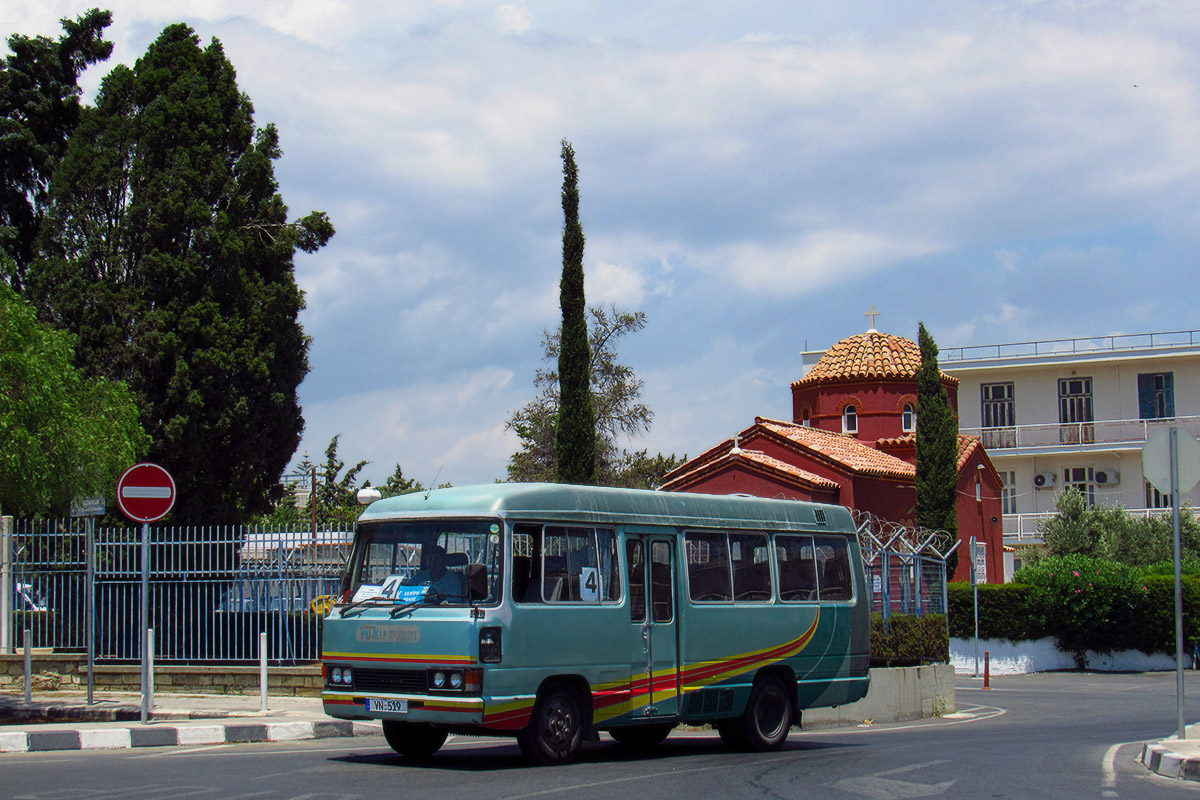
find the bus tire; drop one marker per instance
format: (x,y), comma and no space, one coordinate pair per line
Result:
(413,739)
(642,737)
(768,716)
(554,734)
(731,734)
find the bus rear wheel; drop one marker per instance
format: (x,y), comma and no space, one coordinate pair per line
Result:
(554,734)
(768,716)
(641,737)
(413,739)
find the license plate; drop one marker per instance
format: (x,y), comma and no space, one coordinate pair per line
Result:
(397,706)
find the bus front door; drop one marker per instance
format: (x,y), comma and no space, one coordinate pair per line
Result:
(655,654)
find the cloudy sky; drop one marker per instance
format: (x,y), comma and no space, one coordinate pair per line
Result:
(754,176)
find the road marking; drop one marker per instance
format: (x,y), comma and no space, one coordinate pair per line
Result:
(1108,765)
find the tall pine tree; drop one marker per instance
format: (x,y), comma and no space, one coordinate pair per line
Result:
(575,435)
(168,251)
(937,444)
(39,109)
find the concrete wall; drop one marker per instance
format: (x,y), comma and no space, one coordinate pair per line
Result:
(896,694)
(68,672)
(1041,655)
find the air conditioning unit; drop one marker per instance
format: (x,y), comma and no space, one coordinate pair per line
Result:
(1043,480)
(1107,477)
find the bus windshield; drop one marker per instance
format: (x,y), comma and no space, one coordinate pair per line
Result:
(454,562)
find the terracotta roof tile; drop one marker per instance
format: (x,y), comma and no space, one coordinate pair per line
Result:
(846,450)
(870,355)
(682,477)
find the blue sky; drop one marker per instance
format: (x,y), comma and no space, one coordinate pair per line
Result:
(753,176)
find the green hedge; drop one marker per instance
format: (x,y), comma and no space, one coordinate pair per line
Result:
(1084,604)
(1004,612)
(909,641)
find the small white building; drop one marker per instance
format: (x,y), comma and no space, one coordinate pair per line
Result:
(1075,412)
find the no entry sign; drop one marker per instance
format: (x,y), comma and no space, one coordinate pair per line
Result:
(146,492)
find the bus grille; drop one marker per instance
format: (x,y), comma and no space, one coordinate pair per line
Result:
(390,680)
(708,702)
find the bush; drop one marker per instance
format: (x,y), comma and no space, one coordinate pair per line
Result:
(1004,612)
(1156,631)
(1086,603)
(909,641)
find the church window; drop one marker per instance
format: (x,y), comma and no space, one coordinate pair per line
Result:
(908,420)
(850,419)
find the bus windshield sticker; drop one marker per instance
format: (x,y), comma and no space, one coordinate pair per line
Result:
(394,589)
(366,592)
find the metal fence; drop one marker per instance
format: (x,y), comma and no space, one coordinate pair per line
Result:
(212,590)
(905,566)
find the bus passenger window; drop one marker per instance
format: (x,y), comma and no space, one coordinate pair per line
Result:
(797,568)
(661,597)
(580,565)
(751,566)
(708,567)
(833,565)
(637,580)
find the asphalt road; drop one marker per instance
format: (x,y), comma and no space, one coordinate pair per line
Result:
(1061,735)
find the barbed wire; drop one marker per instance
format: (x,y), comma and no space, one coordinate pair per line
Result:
(877,535)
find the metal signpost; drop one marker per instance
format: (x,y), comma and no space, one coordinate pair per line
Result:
(1171,463)
(90,508)
(145,494)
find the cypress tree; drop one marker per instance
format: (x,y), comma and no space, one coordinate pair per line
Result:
(168,252)
(575,432)
(937,444)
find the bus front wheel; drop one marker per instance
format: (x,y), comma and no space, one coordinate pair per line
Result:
(555,731)
(413,739)
(765,723)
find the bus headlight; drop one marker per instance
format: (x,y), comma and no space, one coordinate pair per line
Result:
(438,679)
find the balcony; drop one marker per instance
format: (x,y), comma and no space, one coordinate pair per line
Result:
(1167,340)
(1026,528)
(1075,436)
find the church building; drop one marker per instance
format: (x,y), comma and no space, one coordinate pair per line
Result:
(852,441)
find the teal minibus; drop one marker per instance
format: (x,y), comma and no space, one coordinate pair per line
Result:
(553,612)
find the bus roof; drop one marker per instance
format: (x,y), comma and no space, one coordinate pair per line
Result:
(569,503)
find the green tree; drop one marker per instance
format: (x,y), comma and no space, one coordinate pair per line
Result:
(1110,532)
(61,435)
(616,396)
(39,109)
(575,428)
(168,251)
(937,446)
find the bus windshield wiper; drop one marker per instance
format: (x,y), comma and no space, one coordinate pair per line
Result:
(366,601)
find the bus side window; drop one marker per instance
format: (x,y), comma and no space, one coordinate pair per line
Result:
(636,552)
(833,560)
(708,567)
(797,568)
(526,563)
(751,567)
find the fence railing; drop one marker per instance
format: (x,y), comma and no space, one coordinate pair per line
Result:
(1078,435)
(212,590)
(905,566)
(1116,343)
(1027,528)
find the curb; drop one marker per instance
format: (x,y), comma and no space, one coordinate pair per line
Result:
(34,741)
(1163,761)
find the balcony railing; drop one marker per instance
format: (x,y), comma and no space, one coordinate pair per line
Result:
(1026,528)
(1077,435)
(1095,344)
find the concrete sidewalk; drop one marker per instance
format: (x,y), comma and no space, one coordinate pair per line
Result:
(64,721)
(1174,757)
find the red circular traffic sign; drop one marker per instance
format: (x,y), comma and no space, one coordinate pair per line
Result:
(146,492)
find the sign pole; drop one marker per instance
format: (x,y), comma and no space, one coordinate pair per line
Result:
(145,620)
(90,611)
(975,593)
(1178,582)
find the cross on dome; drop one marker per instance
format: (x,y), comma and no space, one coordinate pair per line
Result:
(872,314)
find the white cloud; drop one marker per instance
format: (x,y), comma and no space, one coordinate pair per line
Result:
(514,18)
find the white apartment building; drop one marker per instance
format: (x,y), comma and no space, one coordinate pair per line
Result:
(1075,412)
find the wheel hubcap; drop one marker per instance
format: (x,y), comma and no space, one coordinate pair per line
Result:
(559,724)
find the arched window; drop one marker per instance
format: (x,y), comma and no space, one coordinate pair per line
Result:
(850,419)
(806,420)
(908,421)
